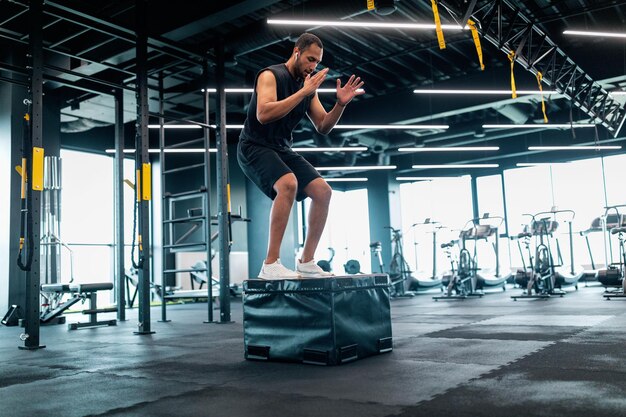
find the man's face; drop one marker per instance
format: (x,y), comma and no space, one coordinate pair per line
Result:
(307,60)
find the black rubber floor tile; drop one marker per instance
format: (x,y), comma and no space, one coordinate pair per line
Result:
(540,333)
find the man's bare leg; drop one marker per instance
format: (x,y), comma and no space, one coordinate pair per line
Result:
(320,193)
(286,188)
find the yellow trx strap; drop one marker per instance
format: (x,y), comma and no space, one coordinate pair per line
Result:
(512,59)
(543,103)
(370,5)
(440,39)
(479,49)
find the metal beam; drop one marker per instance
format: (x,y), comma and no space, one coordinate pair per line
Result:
(120,270)
(223,213)
(33,275)
(506,27)
(142,159)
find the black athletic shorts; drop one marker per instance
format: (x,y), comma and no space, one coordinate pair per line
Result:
(264,166)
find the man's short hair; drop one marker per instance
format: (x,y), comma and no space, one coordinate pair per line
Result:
(307,39)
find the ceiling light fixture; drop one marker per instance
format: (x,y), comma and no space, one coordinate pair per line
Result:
(451,149)
(457,166)
(180,150)
(175,126)
(345,179)
(573,148)
(361,24)
(536,164)
(251,90)
(482,92)
(392,126)
(337,149)
(357,168)
(592,33)
(618,93)
(539,126)
(423,178)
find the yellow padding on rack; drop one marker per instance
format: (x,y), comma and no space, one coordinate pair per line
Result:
(38,157)
(139,243)
(543,103)
(511,56)
(479,49)
(147,182)
(138,182)
(440,39)
(22,171)
(228,195)
(370,5)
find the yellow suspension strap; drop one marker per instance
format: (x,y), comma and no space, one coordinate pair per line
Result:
(26,218)
(543,103)
(479,49)
(370,5)
(440,39)
(511,56)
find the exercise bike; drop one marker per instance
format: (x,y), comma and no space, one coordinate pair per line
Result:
(462,283)
(541,280)
(620,266)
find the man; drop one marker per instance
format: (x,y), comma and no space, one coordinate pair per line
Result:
(283,94)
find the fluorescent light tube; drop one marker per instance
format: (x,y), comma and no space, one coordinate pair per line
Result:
(451,149)
(592,33)
(345,179)
(357,168)
(573,148)
(251,90)
(539,126)
(392,126)
(458,166)
(481,92)
(361,24)
(175,126)
(175,150)
(338,149)
(535,164)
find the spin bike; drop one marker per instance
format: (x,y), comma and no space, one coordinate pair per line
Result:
(541,279)
(463,280)
(618,268)
(399,271)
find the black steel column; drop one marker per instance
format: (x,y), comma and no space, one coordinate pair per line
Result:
(142,158)
(223,192)
(33,276)
(120,269)
(475,208)
(207,199)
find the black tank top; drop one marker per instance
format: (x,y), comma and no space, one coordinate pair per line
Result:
(276,134)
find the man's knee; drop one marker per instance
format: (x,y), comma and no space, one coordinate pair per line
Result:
(286,185)
(320,191)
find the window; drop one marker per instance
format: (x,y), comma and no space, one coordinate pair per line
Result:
(444,200)
(346,231)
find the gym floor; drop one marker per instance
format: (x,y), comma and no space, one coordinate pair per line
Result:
(480,357)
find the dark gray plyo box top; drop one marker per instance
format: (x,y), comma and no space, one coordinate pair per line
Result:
(334,284)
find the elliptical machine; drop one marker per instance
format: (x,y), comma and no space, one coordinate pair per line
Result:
(432,282)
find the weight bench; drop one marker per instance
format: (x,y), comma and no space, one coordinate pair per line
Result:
(79,292)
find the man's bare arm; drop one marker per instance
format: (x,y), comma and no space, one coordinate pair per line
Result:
(269,109)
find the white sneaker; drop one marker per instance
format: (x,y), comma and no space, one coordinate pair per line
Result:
(312,270)
(277,271)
